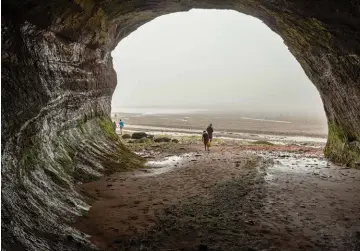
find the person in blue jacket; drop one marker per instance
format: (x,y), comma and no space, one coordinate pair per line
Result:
(121,125)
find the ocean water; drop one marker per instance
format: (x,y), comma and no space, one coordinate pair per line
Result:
(223,120)
(157,111)
(143,111)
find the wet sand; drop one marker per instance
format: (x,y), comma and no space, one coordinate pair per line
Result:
(237,197)
(180,133)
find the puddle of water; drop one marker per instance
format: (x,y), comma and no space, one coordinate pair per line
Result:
(299,165)
(165,165)
(168,161)
(296,164)
(146,153)
(269,177)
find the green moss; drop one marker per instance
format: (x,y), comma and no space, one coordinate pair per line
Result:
(121,159)
(107,126)
(316,24)
(92,144)
(340,149)
(144,141)
(164,135)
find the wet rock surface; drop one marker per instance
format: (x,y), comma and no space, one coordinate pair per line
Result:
(126,136)
(58,79)
(138,135)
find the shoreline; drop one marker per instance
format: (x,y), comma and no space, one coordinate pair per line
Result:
(222,130)
(229,136)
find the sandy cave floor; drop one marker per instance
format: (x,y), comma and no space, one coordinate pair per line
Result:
(234,198)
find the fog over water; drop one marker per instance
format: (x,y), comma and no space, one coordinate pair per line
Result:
(214,60)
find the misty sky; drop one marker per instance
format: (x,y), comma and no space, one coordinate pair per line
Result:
(210,58)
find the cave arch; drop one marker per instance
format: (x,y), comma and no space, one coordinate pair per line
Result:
(55,122)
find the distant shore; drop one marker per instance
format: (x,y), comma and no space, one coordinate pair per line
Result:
(224,124)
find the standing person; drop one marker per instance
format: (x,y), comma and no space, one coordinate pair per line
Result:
(205,138)
(210,131)
(114,126)
(121,125)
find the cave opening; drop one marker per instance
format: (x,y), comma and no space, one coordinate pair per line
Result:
(218,61)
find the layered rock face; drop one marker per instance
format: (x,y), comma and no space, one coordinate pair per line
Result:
(58,79)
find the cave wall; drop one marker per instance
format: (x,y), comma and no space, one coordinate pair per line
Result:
(58,79)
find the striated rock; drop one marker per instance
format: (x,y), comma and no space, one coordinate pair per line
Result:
(138,135)
(49,170)
(58,80)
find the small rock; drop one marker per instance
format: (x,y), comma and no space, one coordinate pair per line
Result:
(126,136)
(138,135)
(110,185)
(175,141)
(162,139)
(69,238)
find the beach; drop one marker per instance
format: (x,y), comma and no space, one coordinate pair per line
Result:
(227,125)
